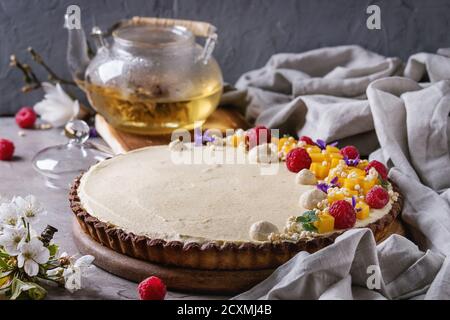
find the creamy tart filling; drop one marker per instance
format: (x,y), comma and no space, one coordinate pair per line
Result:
(149,192)
(145,193)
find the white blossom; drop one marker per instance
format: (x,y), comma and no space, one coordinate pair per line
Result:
(12,238)
(8,214)
(29,207)
(32,254)
(74,272)
(57,107)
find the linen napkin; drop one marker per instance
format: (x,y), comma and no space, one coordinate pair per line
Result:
(352,95)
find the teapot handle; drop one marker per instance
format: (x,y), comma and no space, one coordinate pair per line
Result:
(208,49)
(98,36)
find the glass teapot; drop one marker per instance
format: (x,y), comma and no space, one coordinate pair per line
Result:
(153,77)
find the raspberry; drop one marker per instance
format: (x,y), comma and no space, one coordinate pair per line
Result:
(344,214)
(377,197)
(381,169)
(350,152)
(6,149)
(298,159)
(307,140)
(26,117)
(257,135)
(152,288)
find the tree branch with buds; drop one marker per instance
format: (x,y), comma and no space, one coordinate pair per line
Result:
(32,82)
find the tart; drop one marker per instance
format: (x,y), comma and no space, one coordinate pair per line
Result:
(222,206)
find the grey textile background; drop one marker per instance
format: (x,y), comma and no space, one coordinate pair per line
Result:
(250,31)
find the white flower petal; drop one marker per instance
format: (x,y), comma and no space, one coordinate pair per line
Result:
(55,271)
(8,214)
(31,268)
(42,256)
(57,107)
(20,260)
(73,282)
(11,250)
(84,261)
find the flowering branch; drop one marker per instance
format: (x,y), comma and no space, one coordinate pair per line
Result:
(32,82)
(51,74)
(28,260)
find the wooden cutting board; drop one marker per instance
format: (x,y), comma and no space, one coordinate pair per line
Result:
(121,142)
(181,279)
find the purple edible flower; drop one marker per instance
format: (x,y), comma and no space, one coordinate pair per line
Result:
(321,144)
(207,138)
(200,138)
(354,204)
(352,162)
(325,186)
(93,132)
(334,144)
(334,181)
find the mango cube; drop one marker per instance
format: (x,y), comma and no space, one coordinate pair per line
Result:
(350,183)
(357,172)
(317,157)
(336,155)
(368,184)
(335,197)
(313,149)
(349,193)
(362,164)
(334,162)
(362,210)
(325,223)
(286,144)
(331,149)
(319,170)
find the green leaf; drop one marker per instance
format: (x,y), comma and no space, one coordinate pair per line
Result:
(383,183)
(309,227)
(53,248)
(37,292)
(5,273)
(18,286)
(33,290)
(307,220)
(4,254)
(4,265)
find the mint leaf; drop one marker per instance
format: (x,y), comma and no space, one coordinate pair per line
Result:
(309,227)
(307,220)
(383,183)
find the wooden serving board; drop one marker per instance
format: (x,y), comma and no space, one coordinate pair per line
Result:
(121,142)
(177,279)
(180,279)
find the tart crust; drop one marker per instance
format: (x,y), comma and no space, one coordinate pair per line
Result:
(212,255)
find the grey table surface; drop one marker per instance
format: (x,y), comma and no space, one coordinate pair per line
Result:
(17,177)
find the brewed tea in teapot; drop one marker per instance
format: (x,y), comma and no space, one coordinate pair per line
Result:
(153,78)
